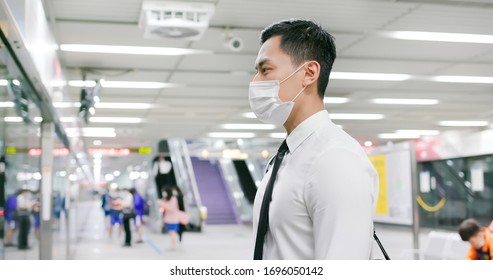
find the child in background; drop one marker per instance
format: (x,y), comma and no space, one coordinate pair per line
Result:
(480,238)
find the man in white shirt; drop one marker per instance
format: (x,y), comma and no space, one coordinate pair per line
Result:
(325,191)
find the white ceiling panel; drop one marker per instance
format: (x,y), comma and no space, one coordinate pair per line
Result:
(380,47)
(447,18)
(210,79)
(110,34)
(335,15)
(96,10)
(122,61)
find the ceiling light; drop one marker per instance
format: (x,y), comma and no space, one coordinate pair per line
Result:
(401,101)
(369,76)
(231,134)
(130,50)
(91,132)
(6,104)
(3,82)
(66,104)
(335,100)
(19,119)
(419,132)
(12,119)
(356,116)
(441,37)
(368,143)
(463,123)
(280,135)
(123,84)
(248,126)
(68,119)
(398,136)
(79,83)
(464,79)
(115,120)
(250,115)
(130,84)
(135,106)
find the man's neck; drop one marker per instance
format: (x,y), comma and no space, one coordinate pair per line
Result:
(308,109)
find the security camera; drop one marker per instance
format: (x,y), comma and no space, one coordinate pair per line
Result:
(234,43)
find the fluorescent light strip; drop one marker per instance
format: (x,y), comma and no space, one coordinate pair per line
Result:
(398,136)
(66,104)
(131,106)
(400,101)
(6,104)
(419,132)
(3,82)
(19,119)
(249,115)
(12,119)
(67,119)
(105,105)
(464,123)
(123,84)
(280,135)
(335,100)
(441,37)
(130,50)
(464,79)
(91,132)
(130,84)
(231,135)
(114,120)
(369,76)
(248,126)
(356,116)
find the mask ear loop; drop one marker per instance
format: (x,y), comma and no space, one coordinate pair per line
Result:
(296,71)
(299,93)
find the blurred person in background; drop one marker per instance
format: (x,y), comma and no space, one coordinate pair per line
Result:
(10,217)
(24,208)
(128,213)
(480,238)
(173,216)
(139,205)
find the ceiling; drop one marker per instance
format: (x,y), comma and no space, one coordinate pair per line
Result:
(214,86)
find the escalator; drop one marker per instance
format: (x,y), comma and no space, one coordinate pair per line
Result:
(214,192)
(451,199)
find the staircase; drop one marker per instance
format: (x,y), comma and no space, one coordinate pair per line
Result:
(213,193)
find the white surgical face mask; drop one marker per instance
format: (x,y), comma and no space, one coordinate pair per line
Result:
(265,102)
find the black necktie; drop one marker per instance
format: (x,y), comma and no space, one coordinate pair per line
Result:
(263,220)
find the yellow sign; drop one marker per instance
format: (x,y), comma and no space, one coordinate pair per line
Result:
(145,150)
(378,162)
(10,150)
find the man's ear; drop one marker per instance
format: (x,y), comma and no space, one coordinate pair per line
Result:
(312,72)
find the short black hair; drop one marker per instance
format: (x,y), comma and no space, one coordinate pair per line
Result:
(468,229)
(305,40)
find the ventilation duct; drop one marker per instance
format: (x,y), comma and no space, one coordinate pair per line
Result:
(177,20)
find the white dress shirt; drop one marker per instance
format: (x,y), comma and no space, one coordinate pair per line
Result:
(324,196)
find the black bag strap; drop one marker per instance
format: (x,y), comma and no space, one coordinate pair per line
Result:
(380,245)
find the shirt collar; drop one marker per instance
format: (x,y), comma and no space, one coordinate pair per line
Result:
(306,128)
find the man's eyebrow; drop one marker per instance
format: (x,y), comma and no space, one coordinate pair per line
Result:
(261,63)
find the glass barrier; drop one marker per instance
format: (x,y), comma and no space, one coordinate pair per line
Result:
(453,190)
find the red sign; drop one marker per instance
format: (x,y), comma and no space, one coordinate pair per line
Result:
(36,152)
